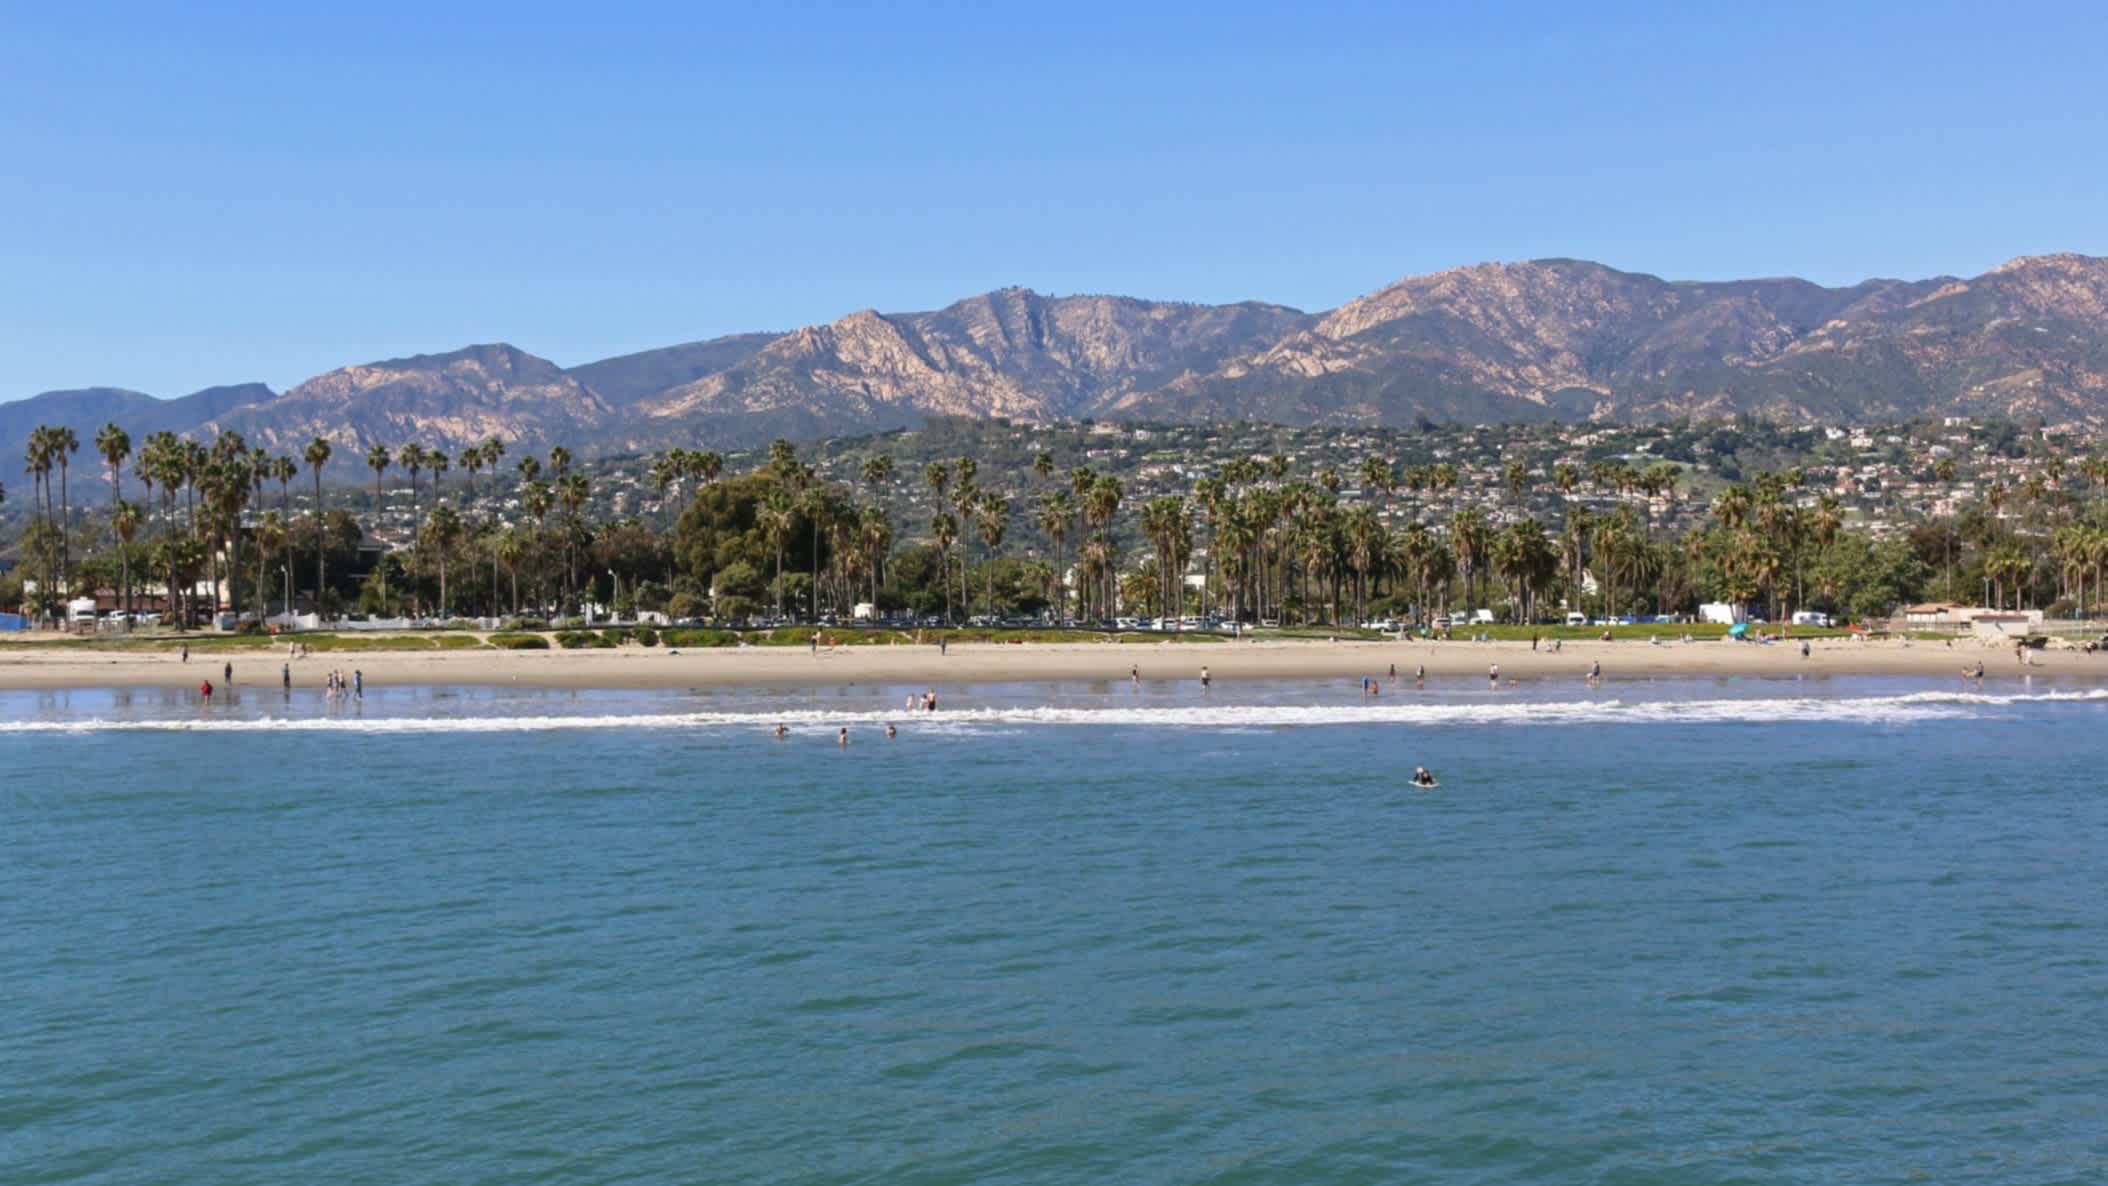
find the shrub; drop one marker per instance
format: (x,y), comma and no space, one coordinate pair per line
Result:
(519,623)
(572,640)
(570,623)
(519,642)
(699,638)
(646,636)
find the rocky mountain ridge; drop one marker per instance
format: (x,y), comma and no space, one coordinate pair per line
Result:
(1544,339)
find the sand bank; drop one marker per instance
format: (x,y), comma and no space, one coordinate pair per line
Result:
(24,666)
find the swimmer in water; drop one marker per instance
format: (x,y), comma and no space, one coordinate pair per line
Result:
(1204,680)
(1420,675)
(842,738)
(782,730)
(1423,777)
(891,732)
(1493,675)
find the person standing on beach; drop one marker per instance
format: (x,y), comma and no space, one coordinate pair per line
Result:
(1493,676)
(285,675)
(358,684)
(185,652)
(1204,679)
(1595,671)
(1420,676)
(205,690)
(1134,676)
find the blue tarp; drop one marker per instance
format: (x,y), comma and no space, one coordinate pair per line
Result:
(9,622)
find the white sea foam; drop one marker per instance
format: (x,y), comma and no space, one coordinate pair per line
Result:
(1870,710)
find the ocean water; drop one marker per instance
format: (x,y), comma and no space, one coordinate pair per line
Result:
(1699,931)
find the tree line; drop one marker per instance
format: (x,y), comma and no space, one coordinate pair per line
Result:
(1253,541)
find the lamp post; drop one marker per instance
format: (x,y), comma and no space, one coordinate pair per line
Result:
(287,569)
(613,614)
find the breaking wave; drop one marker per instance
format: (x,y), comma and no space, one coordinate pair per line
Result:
(1871,710)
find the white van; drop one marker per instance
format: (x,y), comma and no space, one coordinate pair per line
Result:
(1576,618)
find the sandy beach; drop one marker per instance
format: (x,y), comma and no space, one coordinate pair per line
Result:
(29,666)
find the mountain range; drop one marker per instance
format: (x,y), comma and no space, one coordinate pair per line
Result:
(1545,339)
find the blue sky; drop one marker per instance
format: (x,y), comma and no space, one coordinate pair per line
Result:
(206,194)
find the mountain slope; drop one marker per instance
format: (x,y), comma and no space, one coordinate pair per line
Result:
(1009,353)
(440,400)
(1554,338)
(630,377)
(88,409)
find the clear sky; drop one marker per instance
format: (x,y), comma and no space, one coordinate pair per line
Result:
(197,193)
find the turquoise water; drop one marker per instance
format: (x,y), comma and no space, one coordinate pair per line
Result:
(1676,932)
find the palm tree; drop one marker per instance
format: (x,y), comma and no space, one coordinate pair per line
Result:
(944,530)
(115,446)
(1100,504)
(992,516)
(378,461)
(442,528)
(1364,537)
(66,444)
(1378,475)
(1467,539)
(493,451)
(778,515)
(436,461)
(813,508)
(2008,565)
(471,461)
(283,470)
(412,458)
(1516,477)
(537,498)
(572,491)
(1566,477)
(36,454)
(875,539)
(270,538)
(509,550)
(1057,516)
(877,471)
(317,455)
(125,518)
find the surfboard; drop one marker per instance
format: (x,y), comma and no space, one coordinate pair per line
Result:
(1423,786)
